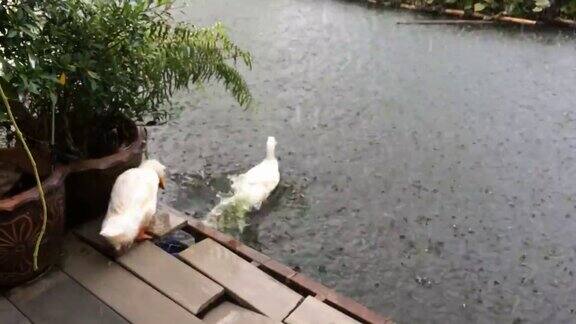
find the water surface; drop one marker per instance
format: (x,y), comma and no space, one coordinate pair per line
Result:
(427,171)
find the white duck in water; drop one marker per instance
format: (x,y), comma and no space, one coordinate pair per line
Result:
(133,204)
(253,187)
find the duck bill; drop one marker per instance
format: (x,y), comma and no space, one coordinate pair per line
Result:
(162,183)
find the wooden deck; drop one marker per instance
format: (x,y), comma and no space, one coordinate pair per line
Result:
(215,280)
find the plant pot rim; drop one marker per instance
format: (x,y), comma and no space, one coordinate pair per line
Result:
(124,154)
(54,181)
(58,176)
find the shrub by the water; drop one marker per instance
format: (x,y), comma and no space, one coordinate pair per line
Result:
(90,61)
(533,9)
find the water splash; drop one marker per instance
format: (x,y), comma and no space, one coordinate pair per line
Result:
(199,195)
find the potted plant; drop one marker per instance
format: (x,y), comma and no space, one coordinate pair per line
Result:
(80,74)
(21,216)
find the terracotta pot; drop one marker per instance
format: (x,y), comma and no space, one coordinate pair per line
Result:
(90,182)
(21,221)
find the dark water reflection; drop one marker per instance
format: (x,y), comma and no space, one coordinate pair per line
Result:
(436,162)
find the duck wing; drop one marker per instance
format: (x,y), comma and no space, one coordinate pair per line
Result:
(134,191)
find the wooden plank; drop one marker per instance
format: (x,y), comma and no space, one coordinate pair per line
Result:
(56,298)
(90,233)
(121,290)
(342,302)
(353,307)
(287,275)
(247,283)
(446,22)
(228,312)
(182,283)
(279,269)
(228,241)
(9,313)
(168,220)
(313,311)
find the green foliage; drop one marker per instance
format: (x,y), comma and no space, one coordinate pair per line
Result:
(534,9)
(479,6)
(569,9)
(540,5)
(93,59)
(3,115)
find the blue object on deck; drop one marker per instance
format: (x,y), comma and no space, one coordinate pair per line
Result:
(171,245)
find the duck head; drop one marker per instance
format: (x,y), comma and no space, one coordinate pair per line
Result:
(270,147)
(158,168)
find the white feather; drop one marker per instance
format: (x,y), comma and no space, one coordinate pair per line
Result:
(252,188)
(132,203)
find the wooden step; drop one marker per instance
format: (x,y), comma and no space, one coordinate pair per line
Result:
(9,313)
(57,299)
(131,297)
(244,281)
(313,311)
(167,221)
(90,233)
(228,312)
(182,283)
(298,281)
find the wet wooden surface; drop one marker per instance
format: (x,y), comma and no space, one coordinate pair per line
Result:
(177,280)
(10,314)
(297,281)
(313,311)
(131,297)
(228,312)
(90,233)
(222,281)
(167,220)
(57,299)
(241,279)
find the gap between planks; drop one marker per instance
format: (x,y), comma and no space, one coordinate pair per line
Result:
(293,309)
(12,312)
(169,275)
(119,288)
(248,284)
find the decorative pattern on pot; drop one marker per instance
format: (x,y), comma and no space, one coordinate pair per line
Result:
(19,229)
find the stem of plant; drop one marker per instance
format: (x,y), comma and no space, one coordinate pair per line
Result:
(36,175)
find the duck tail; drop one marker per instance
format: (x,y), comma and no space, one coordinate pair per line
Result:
(112,226)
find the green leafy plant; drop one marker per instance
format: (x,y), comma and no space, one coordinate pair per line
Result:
(540,5)
(533,9)
(90,63)
(569,9)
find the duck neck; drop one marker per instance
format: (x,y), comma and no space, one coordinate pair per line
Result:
(270,153)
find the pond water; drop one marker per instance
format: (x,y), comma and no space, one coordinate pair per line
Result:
(427,171)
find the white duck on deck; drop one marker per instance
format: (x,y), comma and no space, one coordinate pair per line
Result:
(133,204)
(252,188)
